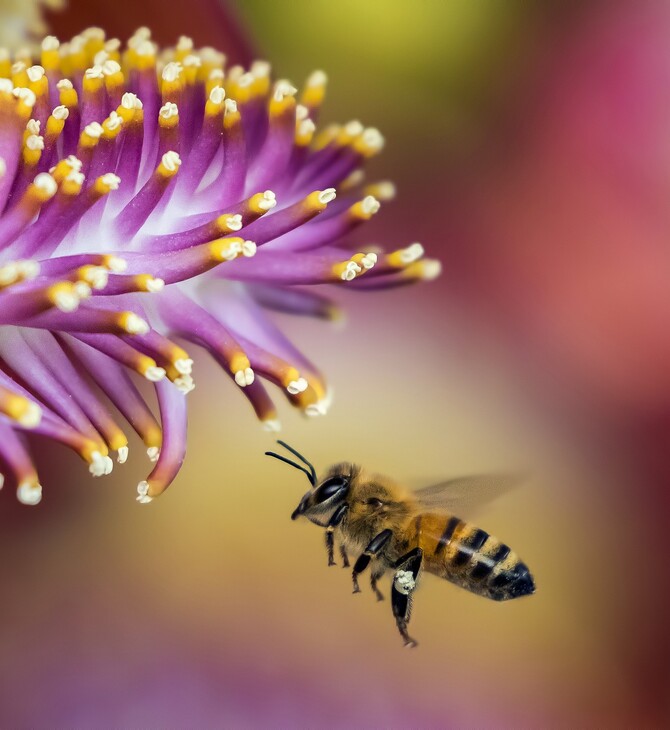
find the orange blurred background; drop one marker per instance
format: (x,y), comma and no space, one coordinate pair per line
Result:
(530,145)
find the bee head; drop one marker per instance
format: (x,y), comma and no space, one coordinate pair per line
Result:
(324,499)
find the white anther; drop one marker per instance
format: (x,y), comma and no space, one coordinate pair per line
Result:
(192,61)
(113,44)
(297,386)
(412,253)
(100,465)
(320,408)
(29,494)
(18,67)
(317,78)
(135,325)
(33,126)
(273,425)
(386,190)
(35,73)
(354,128)
(94,130)
(110,67)
(76,177)
(327,196)
(369,260)
(234,222)
(215,73)
(260,69)
(155,285)
(172,71)
(35,142)
(350,271)
(404,582)
(249,249)
(301,112)
(117,264)
(122,455)
(232,251)
(306,127)
(60,112)
(25,95)
(113,121)
(9,273)
(50,43)
(372,138)
(431,269)
(82,289)
(130,101)
(100,58)
(3,167)
(185,43)
(168,110)
(93,33)
(370,205)
(2,481)
(45,182)
(269,200)
(110,180)
(244,377)
(245,80)
(66,301)
(154,374)
(74,163)
(153,452)
(95,72)
(31,416)
(28,268)
(231,106)
(97,277)
(217,95)
(184,384)
(6,86)
(64,84)
(171,161)
(184,365)
(146,48)
(142,493)
(283,89)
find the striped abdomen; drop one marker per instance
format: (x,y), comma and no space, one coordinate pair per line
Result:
(471,558)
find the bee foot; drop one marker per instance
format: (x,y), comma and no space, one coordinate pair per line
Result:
(356,589)
(411,644)
(331,562)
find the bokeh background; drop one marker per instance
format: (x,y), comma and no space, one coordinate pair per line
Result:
(530,144)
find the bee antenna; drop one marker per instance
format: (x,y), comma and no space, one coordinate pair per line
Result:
(312,480)
(302,458)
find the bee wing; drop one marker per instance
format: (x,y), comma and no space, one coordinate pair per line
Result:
(464,494)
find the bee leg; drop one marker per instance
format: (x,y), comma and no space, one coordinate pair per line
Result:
(404,583)
(345,556)
(375,546)
(335,520)
(377,573)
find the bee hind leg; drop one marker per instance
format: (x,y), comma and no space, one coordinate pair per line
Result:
(404,584)
(334,521)
(375,546)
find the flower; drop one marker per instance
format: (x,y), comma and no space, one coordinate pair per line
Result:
(147,195)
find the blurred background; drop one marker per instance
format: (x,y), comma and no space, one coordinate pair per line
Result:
(530,144)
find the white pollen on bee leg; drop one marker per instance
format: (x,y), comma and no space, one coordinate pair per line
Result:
(404,582)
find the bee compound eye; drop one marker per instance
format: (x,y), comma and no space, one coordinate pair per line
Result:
(330,487)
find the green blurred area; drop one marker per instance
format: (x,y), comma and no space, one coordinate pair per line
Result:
(434,63)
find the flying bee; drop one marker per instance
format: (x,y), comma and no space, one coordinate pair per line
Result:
(393,528)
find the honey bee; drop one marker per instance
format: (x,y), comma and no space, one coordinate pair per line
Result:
(393,528)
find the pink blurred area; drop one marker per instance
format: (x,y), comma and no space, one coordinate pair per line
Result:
(531,149)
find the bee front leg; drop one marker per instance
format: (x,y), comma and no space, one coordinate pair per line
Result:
(404,583)
(335,520)
(375,546)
